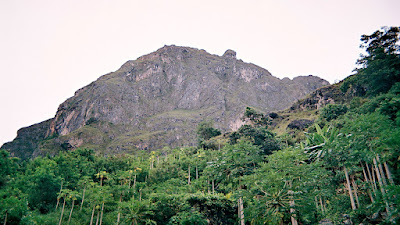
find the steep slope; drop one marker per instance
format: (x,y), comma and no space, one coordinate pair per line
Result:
(158,100)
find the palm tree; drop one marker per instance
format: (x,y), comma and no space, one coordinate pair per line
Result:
(102,175)
(83,183)
(72,195)
(61,187)
(64,193)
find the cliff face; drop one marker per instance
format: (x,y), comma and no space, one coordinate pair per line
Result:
(158,100)
(321,97)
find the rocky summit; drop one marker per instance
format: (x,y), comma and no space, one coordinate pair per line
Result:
(158,100)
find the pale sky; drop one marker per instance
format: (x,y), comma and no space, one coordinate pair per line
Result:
(50,49)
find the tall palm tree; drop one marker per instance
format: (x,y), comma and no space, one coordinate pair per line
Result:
(73,196)
(64,194)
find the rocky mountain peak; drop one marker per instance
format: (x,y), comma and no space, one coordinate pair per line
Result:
(229,54)
(158,99)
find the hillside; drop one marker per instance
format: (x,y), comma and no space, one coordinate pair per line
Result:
(331,158)
(158,100)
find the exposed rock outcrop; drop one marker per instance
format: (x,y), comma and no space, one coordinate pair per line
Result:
(300,124)
(320,97)
(159,99)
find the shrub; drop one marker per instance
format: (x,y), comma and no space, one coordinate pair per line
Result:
(331,112)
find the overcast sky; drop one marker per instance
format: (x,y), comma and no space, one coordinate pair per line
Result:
(49,49)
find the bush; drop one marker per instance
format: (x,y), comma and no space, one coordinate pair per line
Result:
(331,112)
(259,136)
(205,131)
(192,217)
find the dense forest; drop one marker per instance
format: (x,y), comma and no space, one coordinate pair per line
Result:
(342,169)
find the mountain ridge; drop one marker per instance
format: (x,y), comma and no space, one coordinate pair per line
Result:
(158,99)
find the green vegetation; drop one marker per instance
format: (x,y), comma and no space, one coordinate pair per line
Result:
(344,169)
(380,68)
(331,112)
(206,131)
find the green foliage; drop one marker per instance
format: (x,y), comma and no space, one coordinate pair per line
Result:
(353,86)
(380,67)
(390,107)
(333,111)
(356,103)
(286,177)
(12,205)
(205,131)
(188,218)
(256,118)
(317,143)
(387,104)
(259,136)
(43,184)
(137,212)
(232,163)
(165,206)
(216,208)
(8,166)
(192,185)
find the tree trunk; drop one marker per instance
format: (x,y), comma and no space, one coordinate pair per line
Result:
(240,211)
(372,178)
(388,173)
(62,213)
(372,170)
(189,175)
(322,205)
(91,218)
(134,182)
(197,173)
(119,207)
(5,219)
(58,200)
(382,173)
(101,215)
(97,220)
(83,197)
(364,173)
(381,185)
(353,204)
(292,204)
(292,211)
(355,191)
(369,183)
(213,188)
(316,202)
(72,209)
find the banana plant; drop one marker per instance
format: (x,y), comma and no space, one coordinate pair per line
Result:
(317,144)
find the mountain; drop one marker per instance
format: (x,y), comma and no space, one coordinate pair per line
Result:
(158,100)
